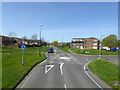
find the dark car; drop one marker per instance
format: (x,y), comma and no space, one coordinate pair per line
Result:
(50,50)
(113,49)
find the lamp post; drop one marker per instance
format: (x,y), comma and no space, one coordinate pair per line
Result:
(40,36)
(100,47)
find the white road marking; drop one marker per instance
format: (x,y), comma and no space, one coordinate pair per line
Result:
(86,59)
(64,58)
(46,54)
(65,86)
(61,68)
(91,77)
(50,67)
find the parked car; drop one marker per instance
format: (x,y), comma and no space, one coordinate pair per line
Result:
(50,50)
(105,48)
(113,49)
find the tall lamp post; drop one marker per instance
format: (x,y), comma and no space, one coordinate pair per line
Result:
(40,36)
(100,47)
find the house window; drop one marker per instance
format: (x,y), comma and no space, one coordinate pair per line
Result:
(94,47)
(74,44)
(95,40)
(74,40)
(94,43)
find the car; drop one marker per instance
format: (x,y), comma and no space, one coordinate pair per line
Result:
(50,50)
(113,49)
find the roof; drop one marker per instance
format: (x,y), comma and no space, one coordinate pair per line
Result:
(86,38)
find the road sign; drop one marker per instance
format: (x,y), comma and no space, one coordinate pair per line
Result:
(23,41)
(23,46)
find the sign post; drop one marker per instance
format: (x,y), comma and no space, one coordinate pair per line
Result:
(23,47)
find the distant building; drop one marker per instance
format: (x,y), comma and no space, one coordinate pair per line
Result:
(85,43)
(17,42)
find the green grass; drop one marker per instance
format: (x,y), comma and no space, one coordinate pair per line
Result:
(42,48)
(12,68)
(106,71)
(94,52)
(64,49)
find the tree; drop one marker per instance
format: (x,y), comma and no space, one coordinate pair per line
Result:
(110,41)
(55,43)
(12,34)
(25,37)
(34,37)
(42,39)
(118,43)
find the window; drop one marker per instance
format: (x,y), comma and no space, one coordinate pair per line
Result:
(81,40)
(74,40)
(95,40)
(94,47)
(74,44)
(94,43)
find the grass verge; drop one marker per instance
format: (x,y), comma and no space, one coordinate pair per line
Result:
(106,71)
(12,68)
(94,52)
(64,49)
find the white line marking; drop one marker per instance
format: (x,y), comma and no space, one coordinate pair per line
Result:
(65,87)
(91,77)
(50,67)
(86,59)
(61,68)
(64,58)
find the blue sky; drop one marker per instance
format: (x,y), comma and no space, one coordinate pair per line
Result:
(65,20)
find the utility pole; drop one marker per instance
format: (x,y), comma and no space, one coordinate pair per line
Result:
(40,38)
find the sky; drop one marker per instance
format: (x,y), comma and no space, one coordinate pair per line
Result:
(61,21)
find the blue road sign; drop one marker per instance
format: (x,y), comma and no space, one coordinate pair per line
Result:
(23,46)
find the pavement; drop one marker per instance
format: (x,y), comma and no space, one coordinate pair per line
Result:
(61,70)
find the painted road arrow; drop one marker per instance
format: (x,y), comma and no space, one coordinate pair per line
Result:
(48,68)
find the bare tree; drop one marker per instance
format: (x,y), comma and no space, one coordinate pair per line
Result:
(25,37)
(34,37)
(42,39)
(12,34)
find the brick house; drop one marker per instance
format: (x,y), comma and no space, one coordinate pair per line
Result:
(17,42)
(85,43)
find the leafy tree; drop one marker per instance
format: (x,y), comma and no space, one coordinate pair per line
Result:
(55,43)
(118,43)
(110,41)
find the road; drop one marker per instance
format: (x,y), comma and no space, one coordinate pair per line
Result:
(62,71)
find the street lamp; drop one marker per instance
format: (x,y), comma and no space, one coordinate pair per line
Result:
(100,47)
(40,36)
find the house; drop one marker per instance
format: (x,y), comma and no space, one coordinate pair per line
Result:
(17,42)
(85,43)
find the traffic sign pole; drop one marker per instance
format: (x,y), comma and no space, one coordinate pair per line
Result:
(23,58)
(23,47)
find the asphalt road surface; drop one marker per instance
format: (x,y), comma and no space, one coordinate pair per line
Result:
(62,70)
